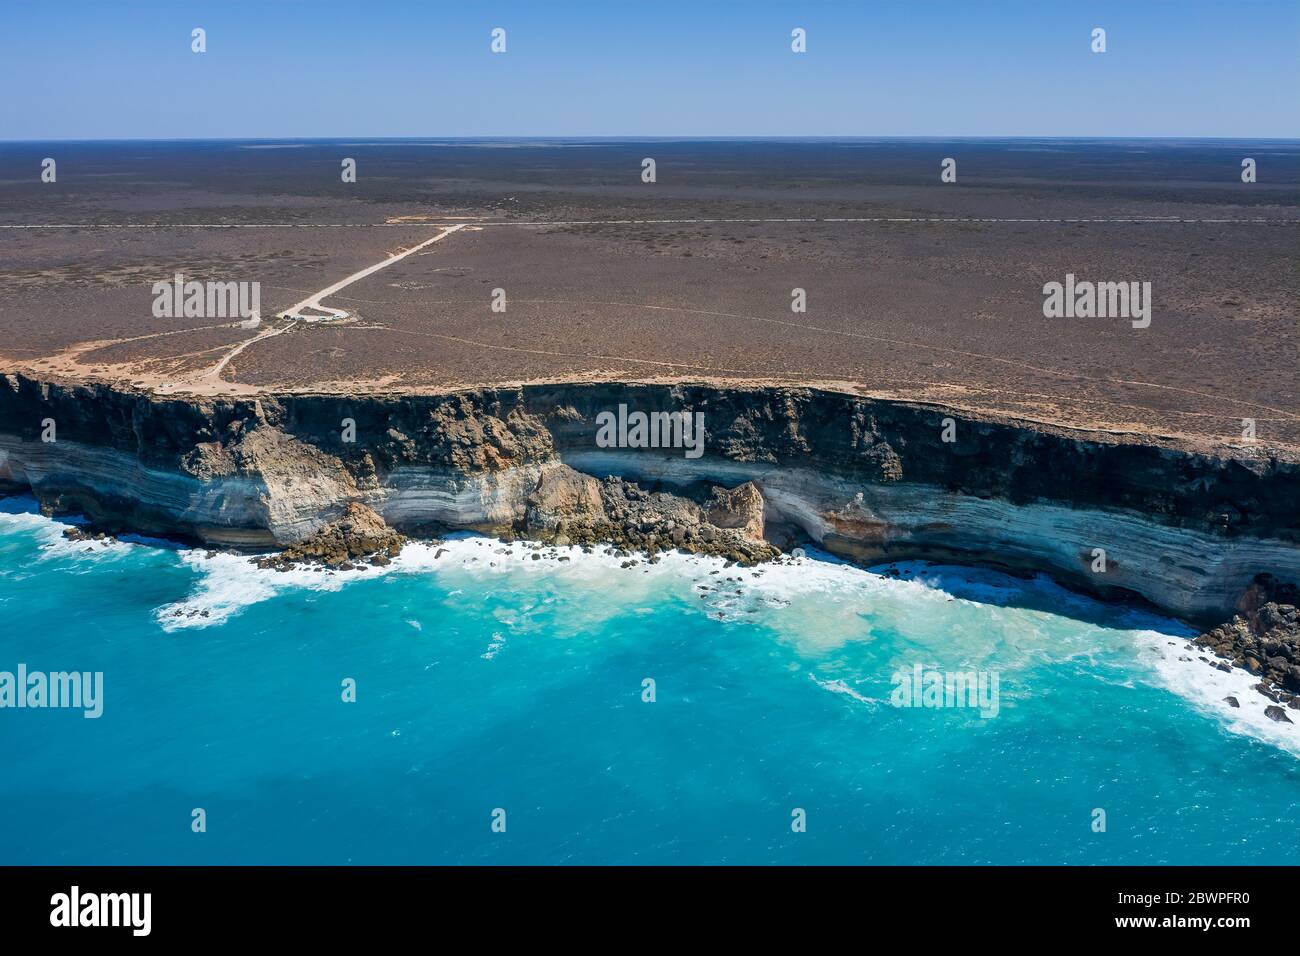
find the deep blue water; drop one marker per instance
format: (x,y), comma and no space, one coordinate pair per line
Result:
(519,686)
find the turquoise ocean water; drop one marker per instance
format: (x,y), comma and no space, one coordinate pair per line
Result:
(486,680)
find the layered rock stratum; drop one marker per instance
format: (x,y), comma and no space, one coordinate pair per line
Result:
(867,479)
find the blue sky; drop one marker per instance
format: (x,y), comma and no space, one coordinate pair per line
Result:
(304,68)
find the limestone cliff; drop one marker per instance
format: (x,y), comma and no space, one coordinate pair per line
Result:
(868,479)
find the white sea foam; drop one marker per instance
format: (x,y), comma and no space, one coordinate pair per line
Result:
(833,602)
(22,514)
(228,583)
(1205,686)
(494,648)
(840,687)
(59,547)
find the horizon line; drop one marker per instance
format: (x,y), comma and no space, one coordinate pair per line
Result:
(830,137)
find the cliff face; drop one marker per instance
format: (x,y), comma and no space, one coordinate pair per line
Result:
(863,478)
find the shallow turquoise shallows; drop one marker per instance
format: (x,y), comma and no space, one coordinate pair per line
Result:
(487,681)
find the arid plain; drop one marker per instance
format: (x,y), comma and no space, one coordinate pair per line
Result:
(915,289)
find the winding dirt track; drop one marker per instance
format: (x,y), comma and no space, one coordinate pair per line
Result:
(210,382)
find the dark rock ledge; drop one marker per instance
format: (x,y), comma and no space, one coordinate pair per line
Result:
(1263,638)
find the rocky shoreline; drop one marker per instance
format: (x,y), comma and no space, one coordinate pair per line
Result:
(569,508)
(1263,638)
(572,508)
(339,480)
(359,536)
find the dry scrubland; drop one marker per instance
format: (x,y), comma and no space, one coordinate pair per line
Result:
(946,312)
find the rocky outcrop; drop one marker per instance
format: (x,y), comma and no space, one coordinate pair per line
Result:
(358,535)
(565,499)
(866,479)
(1264,639)
(78,533)
(740,508)
(297,484)
(1277,714)
(569,507)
